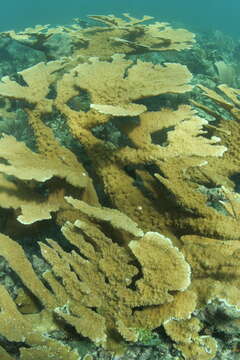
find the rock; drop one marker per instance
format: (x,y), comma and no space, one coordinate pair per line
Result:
(58,45)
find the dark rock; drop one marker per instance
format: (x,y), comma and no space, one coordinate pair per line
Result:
(58,45)
(15,56)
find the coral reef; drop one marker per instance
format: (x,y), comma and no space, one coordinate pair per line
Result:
(149,214)
(115,35)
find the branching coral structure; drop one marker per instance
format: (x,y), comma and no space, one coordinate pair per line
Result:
(141,244)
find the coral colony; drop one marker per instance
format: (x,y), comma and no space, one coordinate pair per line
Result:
(145,198)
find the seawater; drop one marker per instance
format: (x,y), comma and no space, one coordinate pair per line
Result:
(203,15)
